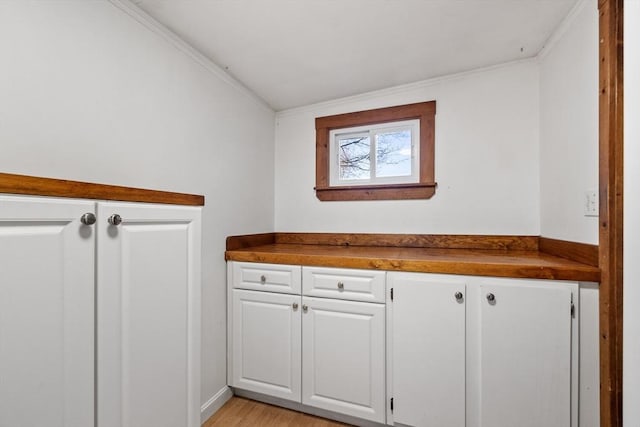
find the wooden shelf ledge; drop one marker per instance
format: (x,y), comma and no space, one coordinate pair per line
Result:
(36,186)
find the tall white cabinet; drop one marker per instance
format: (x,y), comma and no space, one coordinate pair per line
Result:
(99,320)
(47,259)
(148,315)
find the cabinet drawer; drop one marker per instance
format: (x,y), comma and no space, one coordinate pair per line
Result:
(267,277)
(355,285)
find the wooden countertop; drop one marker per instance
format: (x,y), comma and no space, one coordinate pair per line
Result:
(478,262)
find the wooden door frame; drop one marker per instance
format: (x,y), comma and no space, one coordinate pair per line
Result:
(611,209)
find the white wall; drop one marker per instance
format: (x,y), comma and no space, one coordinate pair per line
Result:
(486,160)
(87,93)
(631,329)
(569,126)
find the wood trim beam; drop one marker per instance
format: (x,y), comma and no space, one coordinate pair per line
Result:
(36,186)
(579,252)
(611,210)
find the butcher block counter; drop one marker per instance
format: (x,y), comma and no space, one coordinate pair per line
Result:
(479,255)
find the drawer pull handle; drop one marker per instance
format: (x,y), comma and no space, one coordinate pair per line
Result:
(459,296)
(491,298)
(295,305)
(305,308)
(340,285)
(263,279)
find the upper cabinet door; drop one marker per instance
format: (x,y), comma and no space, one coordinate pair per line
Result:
(46,313)
(427,349)
(148,351)
(525,355)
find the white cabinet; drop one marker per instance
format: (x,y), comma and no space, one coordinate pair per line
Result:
(46,313)
(267,343)
(116,303)
(525,356)
(343,357)
(326,353)
(427,349)
(498,354)
(148,316)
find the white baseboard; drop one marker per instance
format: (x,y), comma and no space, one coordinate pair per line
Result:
(212,405)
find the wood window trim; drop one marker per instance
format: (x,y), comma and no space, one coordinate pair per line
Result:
(425,187)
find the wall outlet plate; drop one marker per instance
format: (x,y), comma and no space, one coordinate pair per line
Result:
(591,207)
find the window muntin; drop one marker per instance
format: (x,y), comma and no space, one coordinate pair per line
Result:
(386,153)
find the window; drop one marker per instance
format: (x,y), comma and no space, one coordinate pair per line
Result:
(380,154)
(377,154)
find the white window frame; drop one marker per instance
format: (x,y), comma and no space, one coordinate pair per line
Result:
(372,130)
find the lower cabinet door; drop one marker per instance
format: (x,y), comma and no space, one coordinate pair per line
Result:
(343,357)
(427,349)
(46,313)
(148,349)
(525,356)
(266,343)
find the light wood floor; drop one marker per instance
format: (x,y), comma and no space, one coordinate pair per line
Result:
(244,412)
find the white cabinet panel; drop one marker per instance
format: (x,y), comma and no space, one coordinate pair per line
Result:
(148,352)
(46,313)
(343,283)
(525,356)
(343,357)
(266,343)
(427,349)
(267,277)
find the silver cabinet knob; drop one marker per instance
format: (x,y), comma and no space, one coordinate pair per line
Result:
(491,297)
(305,308)
(458,296)
(115,219)
(88,219)
(263,279)
(340,285)
(295,305)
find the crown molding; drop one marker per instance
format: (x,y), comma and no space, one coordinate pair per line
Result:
(142,17)
(562,29)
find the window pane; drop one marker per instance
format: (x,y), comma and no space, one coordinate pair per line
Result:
(393,153)
(355,156)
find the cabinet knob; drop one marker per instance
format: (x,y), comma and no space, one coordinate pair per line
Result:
(340,285)
(491,297)
(458,296)
(115,219)
(305,308)
(295,305)
(88,219)
(263,279)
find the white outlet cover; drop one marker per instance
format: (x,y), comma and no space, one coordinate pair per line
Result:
(591,203)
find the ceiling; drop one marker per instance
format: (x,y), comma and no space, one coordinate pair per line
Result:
(298,52)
